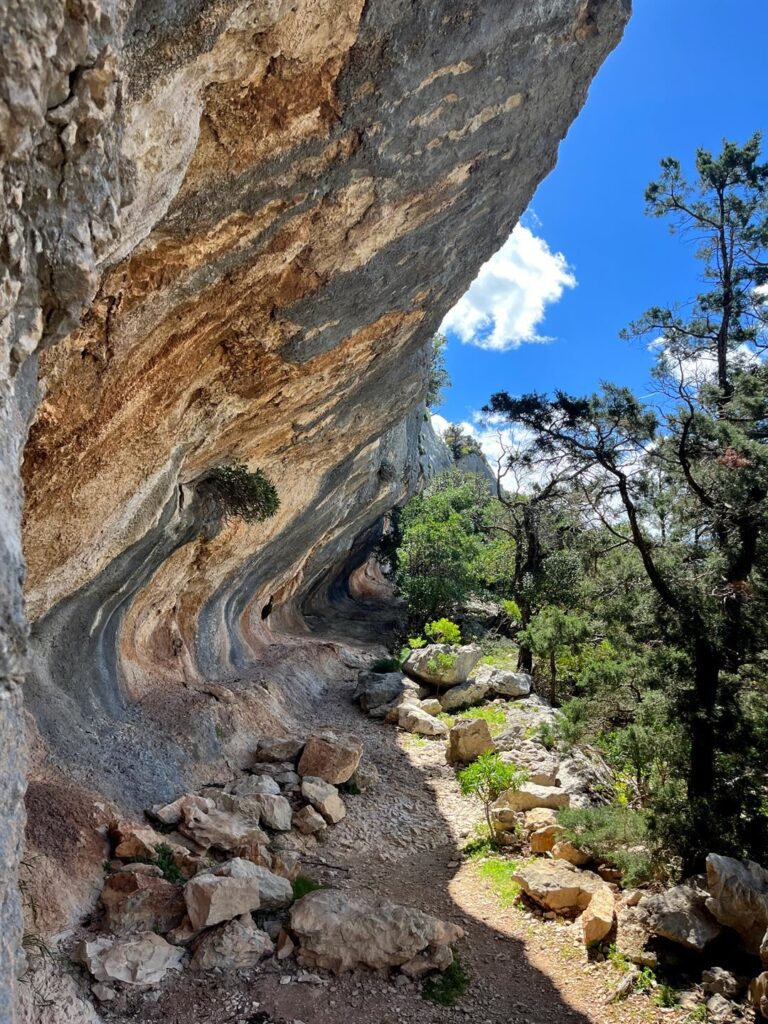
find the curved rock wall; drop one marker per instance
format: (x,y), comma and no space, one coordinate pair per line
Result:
(240,223)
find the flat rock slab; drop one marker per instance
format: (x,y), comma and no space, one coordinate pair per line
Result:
(557,885)
(530,795)
(142,960)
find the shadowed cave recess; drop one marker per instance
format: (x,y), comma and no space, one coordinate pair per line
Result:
(229,230)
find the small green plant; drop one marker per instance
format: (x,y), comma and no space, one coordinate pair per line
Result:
(617,959)
(386,665)
(645,980)
(443,631)
(302,885)
(512,610)
(487,778)
(666,996)
(447,987)
(350,788)
(415,642)
(613,833)
(545,734)
(241,493)
(163,859)
(440,663)
(498,871)
(698,1013)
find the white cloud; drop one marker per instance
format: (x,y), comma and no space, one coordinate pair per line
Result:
(439,423)
(508,299)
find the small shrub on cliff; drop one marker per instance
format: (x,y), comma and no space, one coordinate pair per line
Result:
(242,493)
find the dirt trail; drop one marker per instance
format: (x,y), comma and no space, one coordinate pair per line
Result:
(402,840)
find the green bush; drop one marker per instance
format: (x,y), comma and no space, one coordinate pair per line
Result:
(447,987)
(302,885)
(386,665)
(440,662)
(615,834)
(241,493)
(443,631)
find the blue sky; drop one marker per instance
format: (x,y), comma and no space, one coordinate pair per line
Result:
(686,74)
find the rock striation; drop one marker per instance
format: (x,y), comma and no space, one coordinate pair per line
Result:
(228,230)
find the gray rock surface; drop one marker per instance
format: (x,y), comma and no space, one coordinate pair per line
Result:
(679,915)
(442,665)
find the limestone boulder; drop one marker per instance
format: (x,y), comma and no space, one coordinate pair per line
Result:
(212,899)
(563,849)
(324,798)
(144,959)
(365,778)
(504,682)
(633,933)
(331,755)
(133,840)
(718,981)
(375,689)
(597,920)
(442,665)
(278,749)
(431,705)
(464,695)
(270,810)
(235,945)
(436,958)
(585,777)
(557,885)
(539,817)
(543,839)
(530,795)
(413,718)
(250,785)
(173,813)
(467,740)
(222,830)
(758,994)
(339,932)
(308,821)
(738,899)
(135,901)
(286,863)
(541,764)
(680,915)
(275,891)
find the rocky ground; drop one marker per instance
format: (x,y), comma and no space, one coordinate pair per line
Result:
(402,840)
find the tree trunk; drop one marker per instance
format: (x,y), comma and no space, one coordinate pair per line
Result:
(701,773)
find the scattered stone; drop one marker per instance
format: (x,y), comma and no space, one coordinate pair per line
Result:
(273,811)
(172,814)
(539,817)
(324,798)
(544,839)
(286,863)
(625,987)
(411,718)
(426,666)
(285,945)
(223,830)
(467,740)
(274,769)
(557,885)
(135,901)
(338,932)
(104,993)
(597,919)
(738,899)
(183,934)
(680,916)
(530,795)
(719,1009)
(437,958)
(504,682)
(308,821)
(212,899)
(718,981)
(432,706)
(541,765)
(565,850)
(142,960)
(374,689)
(278,749)
(248,785)
(238,944)
(464,695)
(134,840)
(633,934)
(331,755)
(365,778)
(275,892)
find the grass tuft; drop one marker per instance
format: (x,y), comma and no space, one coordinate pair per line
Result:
(498,872)
(302,885)
(448,987)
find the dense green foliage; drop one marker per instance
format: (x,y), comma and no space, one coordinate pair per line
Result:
(615,834)
(627,542)
(241,493)
(671,504)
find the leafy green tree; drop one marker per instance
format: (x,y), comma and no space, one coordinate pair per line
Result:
(487,778)
(552,631)
(439,378)
(697,463)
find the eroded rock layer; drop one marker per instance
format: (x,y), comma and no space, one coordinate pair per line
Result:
(240,223)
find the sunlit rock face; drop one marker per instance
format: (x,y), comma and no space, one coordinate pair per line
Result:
(230,229)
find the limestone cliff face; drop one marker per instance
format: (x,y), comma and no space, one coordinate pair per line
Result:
(229,229)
